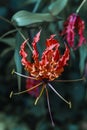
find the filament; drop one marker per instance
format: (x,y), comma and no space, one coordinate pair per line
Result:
(39,95)
(21,92)
(69,103)
(14,72)
(7,33)
(73,80)
(48,103)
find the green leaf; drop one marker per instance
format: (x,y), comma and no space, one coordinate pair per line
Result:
(25,18)
(83,57)
(39,109)
(25,3)
(17,57)
(29,2)
(56,7)
(9,41)
(8,33)
(43,125)
(5,52)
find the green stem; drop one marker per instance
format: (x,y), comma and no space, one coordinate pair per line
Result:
(7,33)
(6,20)
(23,37)
(36,6)
(78,9)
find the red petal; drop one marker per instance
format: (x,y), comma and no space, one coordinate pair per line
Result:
(63,60)
(48,53)
(34,43)
(22,52)
(56,55)
(68,31)
(51,41)
(80,26)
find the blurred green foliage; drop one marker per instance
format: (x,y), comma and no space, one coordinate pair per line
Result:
(22,19)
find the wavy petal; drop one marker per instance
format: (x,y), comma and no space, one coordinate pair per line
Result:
(51,41)
(35,51)
(80,26)
(22,52)
(48,54)
(74,26)
(63,60)
(68,31)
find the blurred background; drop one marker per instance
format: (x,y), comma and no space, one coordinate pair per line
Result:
(19,112)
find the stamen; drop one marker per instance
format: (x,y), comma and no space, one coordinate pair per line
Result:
(21,92)
(48,103)
(39,95)
(73,80)
(14,72)
(69,103)
(11,94)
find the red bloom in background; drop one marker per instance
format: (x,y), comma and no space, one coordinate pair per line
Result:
(29,84)
(74,26)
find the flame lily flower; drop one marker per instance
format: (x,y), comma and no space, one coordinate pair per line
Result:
(43,71)
(51,64)
(74,26)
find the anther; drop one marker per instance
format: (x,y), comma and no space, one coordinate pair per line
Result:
(21,92)
(11,94)
(70,105)
(13,71)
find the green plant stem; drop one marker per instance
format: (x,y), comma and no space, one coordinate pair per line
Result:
(78,9)
(7,33)
(36,6)
(6,20)
(23,38)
